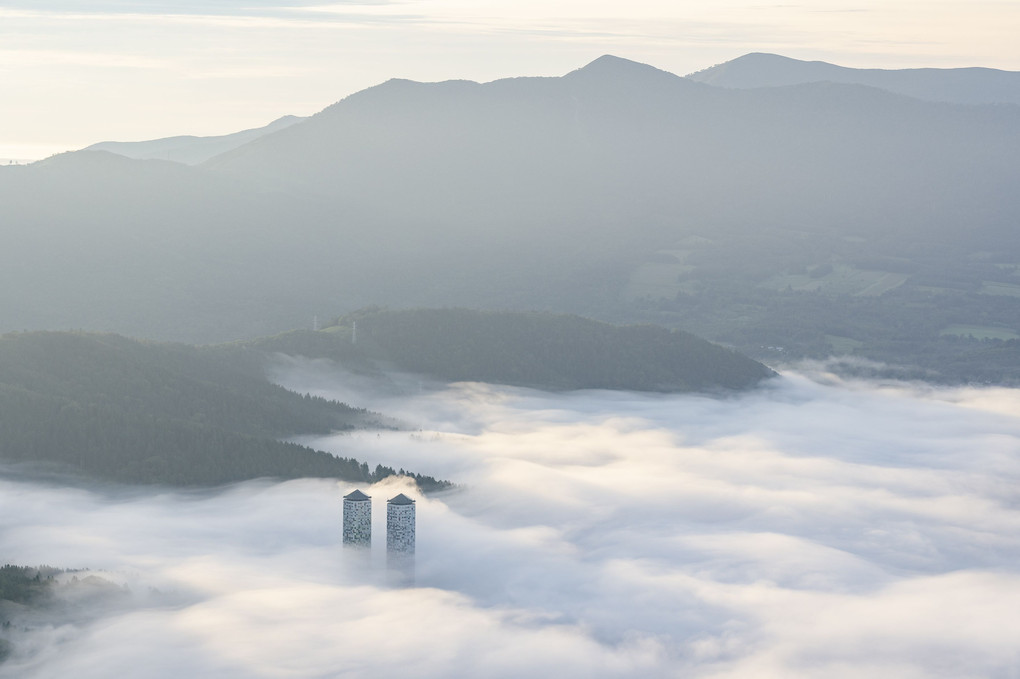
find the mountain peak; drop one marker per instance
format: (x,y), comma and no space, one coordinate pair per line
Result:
(612,66)
(766,57)
(956,85)
(761,69)
(613,61)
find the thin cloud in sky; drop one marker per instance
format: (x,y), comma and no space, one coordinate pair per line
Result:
(198,7)
(112,60)
(326,50)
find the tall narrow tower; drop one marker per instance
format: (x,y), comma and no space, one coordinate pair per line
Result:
(400,540)
(400,526)
(357,520)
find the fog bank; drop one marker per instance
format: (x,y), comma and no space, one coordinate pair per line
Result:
(812,527)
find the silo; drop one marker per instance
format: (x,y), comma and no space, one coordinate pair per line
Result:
(400,525)
(357,520)
(400,541)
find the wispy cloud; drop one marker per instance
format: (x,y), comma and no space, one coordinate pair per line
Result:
(196,7)
(49,57)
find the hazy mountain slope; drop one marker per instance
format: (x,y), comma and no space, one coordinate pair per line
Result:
(156,249)
(956,85)
(189,149)
(594,171)
(617,191)
(619,152)
(113,408)
(547,351)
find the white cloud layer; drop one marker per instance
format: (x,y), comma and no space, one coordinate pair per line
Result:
(811,528)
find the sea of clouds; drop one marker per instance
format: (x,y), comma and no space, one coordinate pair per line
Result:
(814,527)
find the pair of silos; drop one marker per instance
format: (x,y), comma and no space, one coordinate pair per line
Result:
(400,520)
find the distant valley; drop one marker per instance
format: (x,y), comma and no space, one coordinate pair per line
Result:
(614,372)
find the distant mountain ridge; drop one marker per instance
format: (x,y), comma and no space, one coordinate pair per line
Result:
(795,220)
(189,149)
(954,85)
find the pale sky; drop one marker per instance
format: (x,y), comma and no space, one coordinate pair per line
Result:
(75,72)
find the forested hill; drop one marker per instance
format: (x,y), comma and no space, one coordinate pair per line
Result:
(122,410)
(550,351)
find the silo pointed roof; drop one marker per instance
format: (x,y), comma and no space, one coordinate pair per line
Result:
(357,495)
(401,500)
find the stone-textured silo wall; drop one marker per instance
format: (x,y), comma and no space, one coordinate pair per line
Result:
(358,522)
(400,528)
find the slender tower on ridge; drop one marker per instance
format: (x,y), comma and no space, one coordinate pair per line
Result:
(400,538)
(357,520)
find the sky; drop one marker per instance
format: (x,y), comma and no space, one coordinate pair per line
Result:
(76,72)
(814,527)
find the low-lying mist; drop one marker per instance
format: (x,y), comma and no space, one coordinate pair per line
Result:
(813,527)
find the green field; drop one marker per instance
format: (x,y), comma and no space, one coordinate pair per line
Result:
(936,290)
(843,345)
(992,288)
(843,280)
(888,281)
(980,332)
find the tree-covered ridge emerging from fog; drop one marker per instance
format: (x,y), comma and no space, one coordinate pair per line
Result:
(117,409)
(549,351)
(25,585)
(22,586)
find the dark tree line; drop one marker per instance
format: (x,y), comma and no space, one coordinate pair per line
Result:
(551,351)
(23,584)
(134,412)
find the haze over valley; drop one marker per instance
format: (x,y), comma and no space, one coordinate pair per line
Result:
(810,527)
(807,220)
(620,370)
